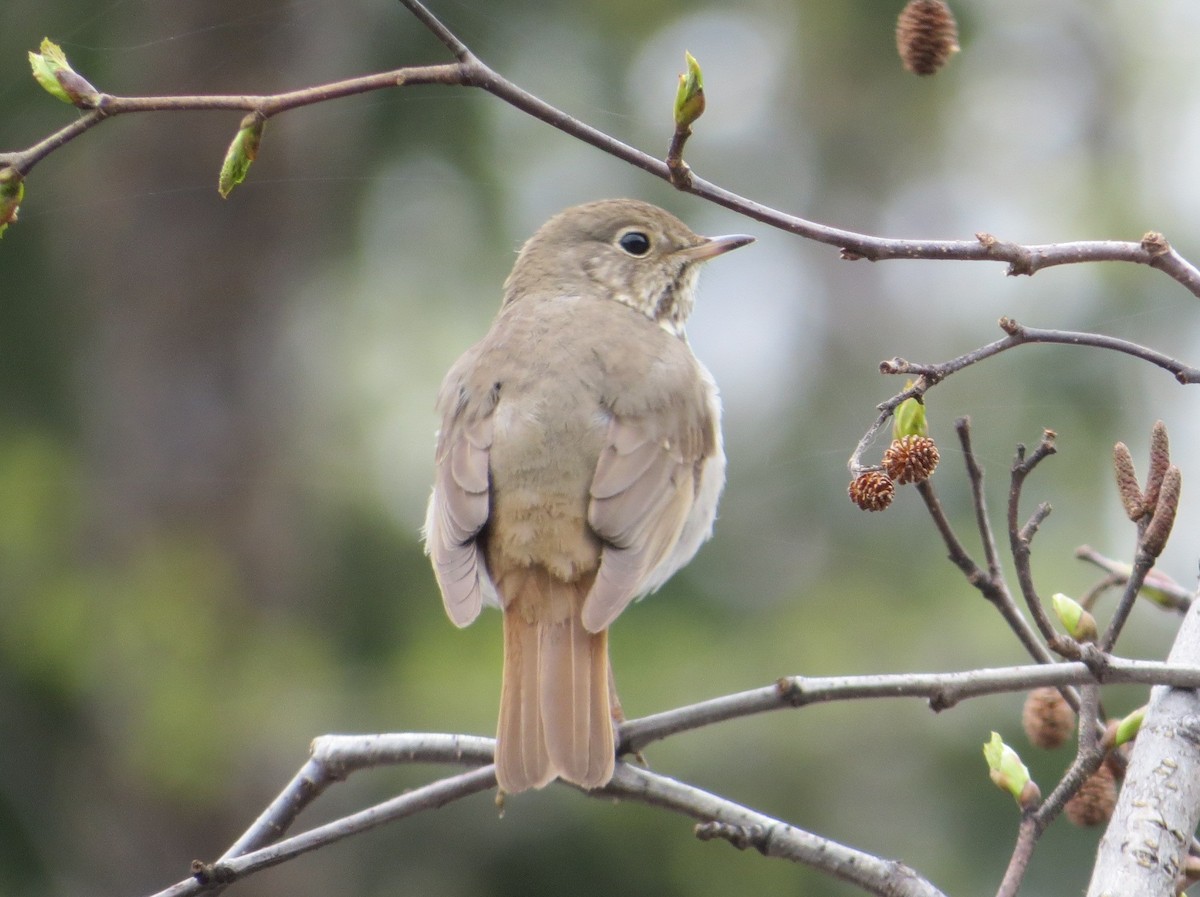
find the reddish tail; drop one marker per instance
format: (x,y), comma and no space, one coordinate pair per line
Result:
(555,715)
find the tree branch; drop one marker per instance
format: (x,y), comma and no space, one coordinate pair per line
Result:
(334,757)
(744,827)
(1148,839)
(1166,592)
(1020,335)
(1152,250)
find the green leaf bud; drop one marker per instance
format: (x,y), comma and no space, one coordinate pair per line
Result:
(689,98)
(242,151)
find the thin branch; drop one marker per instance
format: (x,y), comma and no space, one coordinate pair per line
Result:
(1153,250)
(334,757)
(721,818)
(1019,537)
(1163,590)
(994,589)
(941,690)
(962,427)
(1027,838)
(428,797)
(341,754)
(109,106)
(929,375)
(440,31)
(1020,335)
(1142,563)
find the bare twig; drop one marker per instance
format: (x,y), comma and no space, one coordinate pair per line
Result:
(1142,563)
(962,427)
(744,827)
(1152,250)
(109,106)
(427,797)
(1027,838)
(941,690)
(1020,536)
(1020,335)
(994,589)
(929,375)
(1167,592)
(334,757)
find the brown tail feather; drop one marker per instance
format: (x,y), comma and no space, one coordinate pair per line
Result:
(555,715)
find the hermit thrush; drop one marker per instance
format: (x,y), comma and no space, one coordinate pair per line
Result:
(579,464)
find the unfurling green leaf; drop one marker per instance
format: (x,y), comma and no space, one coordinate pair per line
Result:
(12,192)
(1009,773)
(689,98)
(242,151)
(54,73)
(909,418)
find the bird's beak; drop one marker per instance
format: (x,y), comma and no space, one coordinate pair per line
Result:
(714,246)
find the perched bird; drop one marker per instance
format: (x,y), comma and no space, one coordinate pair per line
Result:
(579,464)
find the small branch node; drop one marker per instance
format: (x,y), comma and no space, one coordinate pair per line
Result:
(942,699)
(1022,260)
(740,836)
(1011,327)
(212,873)
(1095,659)
(791,691)
(1155,243)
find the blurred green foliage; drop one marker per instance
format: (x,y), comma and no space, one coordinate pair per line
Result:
(216,421)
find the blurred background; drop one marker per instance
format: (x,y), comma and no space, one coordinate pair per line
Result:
(216,420)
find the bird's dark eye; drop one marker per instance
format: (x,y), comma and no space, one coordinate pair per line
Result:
(635,243)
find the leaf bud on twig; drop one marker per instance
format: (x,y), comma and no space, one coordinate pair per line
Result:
(1009,773)
(1126,729)
(689,98)
(1080,624)
(54,73)
(242,151)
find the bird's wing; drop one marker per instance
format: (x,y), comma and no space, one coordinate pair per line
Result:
(642,493)
(459,507)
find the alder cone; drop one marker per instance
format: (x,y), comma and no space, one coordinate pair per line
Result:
(1094,802)
(872,491)
(926,36)
(911,459)
(1047,718)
